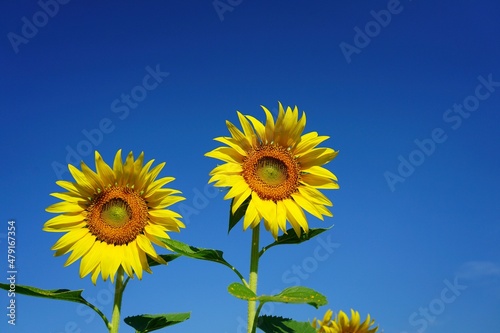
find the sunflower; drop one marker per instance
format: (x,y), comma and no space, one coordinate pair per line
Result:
(342,324)
(276,169)
(111,217)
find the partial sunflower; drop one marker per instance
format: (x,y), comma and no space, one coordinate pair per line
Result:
(112,216)
(277,169)
(342,324)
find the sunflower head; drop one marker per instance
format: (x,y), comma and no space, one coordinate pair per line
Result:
(342,323)
(112,216)
(277,168)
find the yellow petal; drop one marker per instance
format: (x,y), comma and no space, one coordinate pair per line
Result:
(118,165)
(247,129)
(104,171)
(226,154)
(69,196)
(144,243)
(320,171)
(237,188)
(155,230)
(313,195)
(68,186)
(297,130)
(307,142)
(92,177)
(227,169)
(153,174)
(62,221)
(65,207)
(95,274)
(70,238)
(132,256)
(281,215)
(251,217)
(238,136)
(317,156)
(240,198)
(260,129)
(225,180)
(232,143)
(152,187)
(319,182)
(111,261)
(269,125)
(80,248)
(266,208)
(143,177)
(305,204)
(171,224)
(166,202)
(91,259)
(296,216)
(81,179)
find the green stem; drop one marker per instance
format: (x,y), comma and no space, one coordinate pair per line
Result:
(117,304)
(256,319)
(254,267)
(93,307)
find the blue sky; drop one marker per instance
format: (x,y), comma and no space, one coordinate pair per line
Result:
(408,91)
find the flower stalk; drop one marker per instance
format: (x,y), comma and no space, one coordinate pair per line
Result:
(254,268)
(117,304)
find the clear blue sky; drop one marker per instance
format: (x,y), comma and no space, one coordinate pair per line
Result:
(408,91)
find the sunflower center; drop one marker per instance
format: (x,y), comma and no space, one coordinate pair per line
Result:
(271,172)
(117,215)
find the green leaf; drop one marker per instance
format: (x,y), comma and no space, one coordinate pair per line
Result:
(166,257)
(199,253)
(272,324)
(56,294)
(291,238)
(241,291)
(240,212)
(295,295)
(148,323)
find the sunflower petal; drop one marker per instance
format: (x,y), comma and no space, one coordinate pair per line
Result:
(104,172)
(296,216)
(319,182)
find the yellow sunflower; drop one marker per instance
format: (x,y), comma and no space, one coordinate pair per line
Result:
(111,216)
(342,324)
(277,169)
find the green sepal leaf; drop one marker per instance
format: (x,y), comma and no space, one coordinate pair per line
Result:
(148,323)
(295,295)
(167,257)
(241,291)
(199,253)
(291,238)
(58,294)
(240,212)
(272,324)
